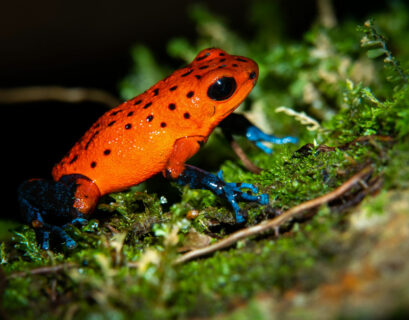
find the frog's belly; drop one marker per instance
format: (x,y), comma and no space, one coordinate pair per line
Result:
(126,164)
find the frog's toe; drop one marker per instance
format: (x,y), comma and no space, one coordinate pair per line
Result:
(263,147)
(65,240)
(58,235)
(234,192)
(79,221)
(263,199)
(250,186)
(44,239)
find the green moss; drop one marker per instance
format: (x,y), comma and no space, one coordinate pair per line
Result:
(397,171)
(276,264)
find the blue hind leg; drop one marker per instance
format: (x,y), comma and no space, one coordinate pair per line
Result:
(200,179)
(48,207)
(237,124)
(257,136)
(34,218)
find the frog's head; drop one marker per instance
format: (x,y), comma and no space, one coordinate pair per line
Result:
(220,83)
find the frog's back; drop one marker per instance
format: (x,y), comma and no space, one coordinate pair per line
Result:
(126,146)
(134,141)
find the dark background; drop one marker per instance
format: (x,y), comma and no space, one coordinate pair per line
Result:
(86,44)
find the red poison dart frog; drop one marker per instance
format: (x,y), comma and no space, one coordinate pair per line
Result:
(157,131)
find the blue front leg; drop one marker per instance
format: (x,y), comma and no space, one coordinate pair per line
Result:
(200,179)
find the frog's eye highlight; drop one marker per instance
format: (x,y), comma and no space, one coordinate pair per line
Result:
(222,89)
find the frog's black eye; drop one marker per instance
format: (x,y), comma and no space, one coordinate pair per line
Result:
(222,89)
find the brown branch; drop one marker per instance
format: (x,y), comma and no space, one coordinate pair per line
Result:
(43,270)
(71,95)
(326,14)
(276,222)
(250,166)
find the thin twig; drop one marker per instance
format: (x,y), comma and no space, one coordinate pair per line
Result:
(326,14)
(55,93)
(250,166)
(43,270)
(273,223)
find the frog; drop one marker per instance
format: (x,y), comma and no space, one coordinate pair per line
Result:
(154,132)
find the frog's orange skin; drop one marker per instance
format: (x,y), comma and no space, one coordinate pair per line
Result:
(156,131)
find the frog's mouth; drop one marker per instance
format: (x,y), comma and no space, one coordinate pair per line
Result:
(230,111)
(214,111)
(233,108)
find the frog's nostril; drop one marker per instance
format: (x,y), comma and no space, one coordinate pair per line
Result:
(252,75)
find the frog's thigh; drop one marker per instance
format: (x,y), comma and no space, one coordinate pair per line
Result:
(183,149)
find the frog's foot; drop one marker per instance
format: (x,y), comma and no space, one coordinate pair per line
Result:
(45,231)
(56,232)
(49,207)
(200,179)
(257,136)
(233,193)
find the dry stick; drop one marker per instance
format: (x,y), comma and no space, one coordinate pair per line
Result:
(55,93)
(44,270)
(326,14)
(243,157)
(276,222)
